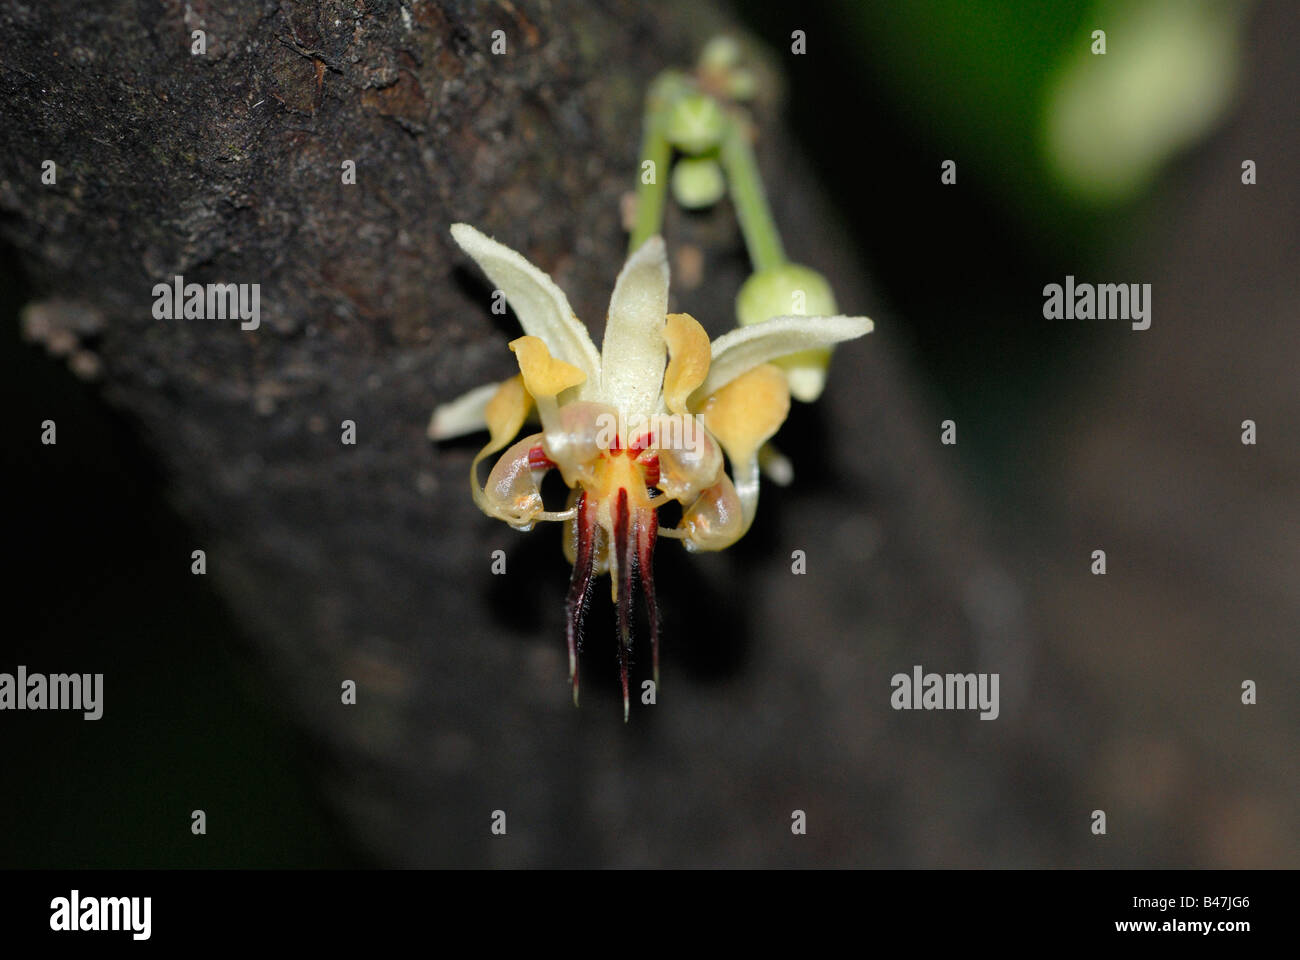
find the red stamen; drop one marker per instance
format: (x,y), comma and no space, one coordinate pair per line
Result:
(624,551)
(538,460)
(650,467)
(646,533)
(575,606)
(643,442)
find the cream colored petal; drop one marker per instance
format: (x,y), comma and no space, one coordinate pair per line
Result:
(745,480)
(633,354)
(688,359)
(540,305)
(806,371)
(776,466)
(463,415)
(742,349)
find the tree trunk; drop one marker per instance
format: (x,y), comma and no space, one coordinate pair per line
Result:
(369,562)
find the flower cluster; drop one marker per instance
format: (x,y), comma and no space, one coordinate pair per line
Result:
(644,421)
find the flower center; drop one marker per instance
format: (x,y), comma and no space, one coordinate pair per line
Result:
(614,510)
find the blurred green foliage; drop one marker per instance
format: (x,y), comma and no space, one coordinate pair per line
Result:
(1037,115)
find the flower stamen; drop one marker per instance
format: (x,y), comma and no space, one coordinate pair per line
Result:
(646,532)
(626,558)
(538,460)
(575,608)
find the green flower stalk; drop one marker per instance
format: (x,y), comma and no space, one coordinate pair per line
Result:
(714,140)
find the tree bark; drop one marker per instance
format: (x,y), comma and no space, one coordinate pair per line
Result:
(370,563)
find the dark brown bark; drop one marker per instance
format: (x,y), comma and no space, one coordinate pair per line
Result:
(369,562)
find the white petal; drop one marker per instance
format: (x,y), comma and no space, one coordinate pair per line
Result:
(744,348)
(634,354)
(462,415)
(540,305)
(744,476)
(776,466)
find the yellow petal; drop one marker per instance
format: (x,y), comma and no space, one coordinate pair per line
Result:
(544,376)
(688,359)
(505,414)
(506,411)
(745,413)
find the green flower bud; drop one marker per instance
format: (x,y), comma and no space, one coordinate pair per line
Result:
(780,291)
(720,53)
(785,290)
(695,124)
(742,85)
(698,182)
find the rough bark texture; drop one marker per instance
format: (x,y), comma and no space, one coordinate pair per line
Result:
(369,562)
